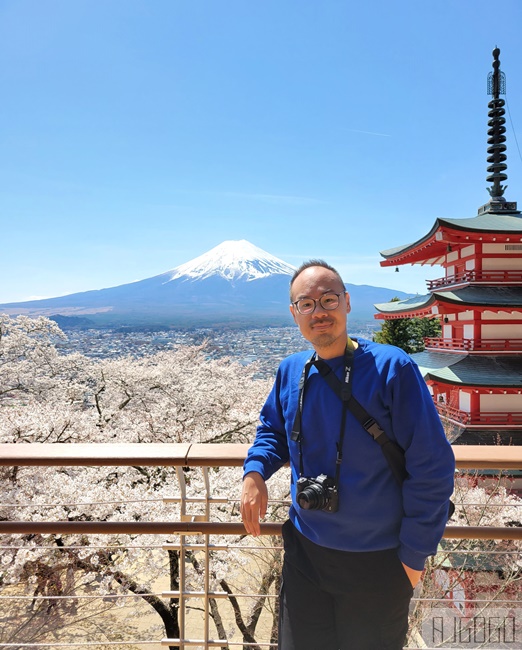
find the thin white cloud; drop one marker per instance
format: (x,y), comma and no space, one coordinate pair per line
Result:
(284,199)
(383,135)
(352,261)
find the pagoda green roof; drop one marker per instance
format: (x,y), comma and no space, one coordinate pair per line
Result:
(487,296)
(490,222)
(487,223)
(391,252)
(471,295)
(409,304)
(486,555)
(471,370)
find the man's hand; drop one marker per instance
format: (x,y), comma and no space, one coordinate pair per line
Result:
(254,501)
(413,575)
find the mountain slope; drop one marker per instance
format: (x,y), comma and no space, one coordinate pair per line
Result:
(233,283)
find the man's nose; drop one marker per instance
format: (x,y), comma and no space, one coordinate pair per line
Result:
(320,310)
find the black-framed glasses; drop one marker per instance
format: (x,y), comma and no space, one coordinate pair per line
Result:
(328,301)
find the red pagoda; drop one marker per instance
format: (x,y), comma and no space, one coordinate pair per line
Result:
(474,370)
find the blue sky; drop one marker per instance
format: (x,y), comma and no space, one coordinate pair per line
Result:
(136,135)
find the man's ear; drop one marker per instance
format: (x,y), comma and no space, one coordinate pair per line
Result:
(348,306)
(292,311)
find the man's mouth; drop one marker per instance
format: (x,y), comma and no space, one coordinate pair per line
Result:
(322,323)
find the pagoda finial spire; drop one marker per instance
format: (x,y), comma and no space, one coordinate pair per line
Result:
(497,143)
(496,132)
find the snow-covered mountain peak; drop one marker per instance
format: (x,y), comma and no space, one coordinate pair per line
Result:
(232,260)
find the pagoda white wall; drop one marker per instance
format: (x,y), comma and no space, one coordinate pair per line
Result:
(502,331)
(502,263)
(455,260)
(504,315)
(464,401)
(501,403)
(505,249)
(468,332)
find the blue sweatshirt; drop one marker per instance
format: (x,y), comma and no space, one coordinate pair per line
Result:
(374,512)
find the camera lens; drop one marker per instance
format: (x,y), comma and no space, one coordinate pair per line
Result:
(312,497)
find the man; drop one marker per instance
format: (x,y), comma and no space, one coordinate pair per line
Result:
(356,540)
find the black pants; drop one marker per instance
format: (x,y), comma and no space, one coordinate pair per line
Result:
(338,600)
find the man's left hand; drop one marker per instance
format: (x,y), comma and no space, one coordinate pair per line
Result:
(413,575)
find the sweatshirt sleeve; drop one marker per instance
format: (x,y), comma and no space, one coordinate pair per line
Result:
(430,463)
(270,449)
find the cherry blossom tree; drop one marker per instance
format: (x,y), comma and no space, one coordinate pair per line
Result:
(177,396)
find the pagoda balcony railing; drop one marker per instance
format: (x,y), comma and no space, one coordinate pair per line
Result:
(485,418)
(487,277)
(196,538)
(473,345)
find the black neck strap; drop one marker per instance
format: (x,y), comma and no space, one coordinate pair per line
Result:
(346,393)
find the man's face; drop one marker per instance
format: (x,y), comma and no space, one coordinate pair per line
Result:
(326,330)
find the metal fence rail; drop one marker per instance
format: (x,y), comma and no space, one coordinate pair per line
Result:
(206,528)
(200,524)
(201,455)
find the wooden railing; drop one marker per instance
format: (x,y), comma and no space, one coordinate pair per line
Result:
(208,455)
(473,345)
(485,277)
(485,418)
(205,456)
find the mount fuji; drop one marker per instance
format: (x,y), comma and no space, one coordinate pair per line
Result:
(235,283)
(233,260)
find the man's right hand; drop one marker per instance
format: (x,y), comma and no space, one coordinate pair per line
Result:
(254,500)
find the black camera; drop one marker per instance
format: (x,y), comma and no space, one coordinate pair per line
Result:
(318,493)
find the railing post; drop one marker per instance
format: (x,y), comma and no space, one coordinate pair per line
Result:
(207,558)
(186,516)
(182,572)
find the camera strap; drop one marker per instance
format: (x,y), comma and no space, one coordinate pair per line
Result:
(345,393)
(393,452)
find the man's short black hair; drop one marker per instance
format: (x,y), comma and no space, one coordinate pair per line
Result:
(309,264)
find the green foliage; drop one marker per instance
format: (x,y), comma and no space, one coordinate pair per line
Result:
(408,333)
